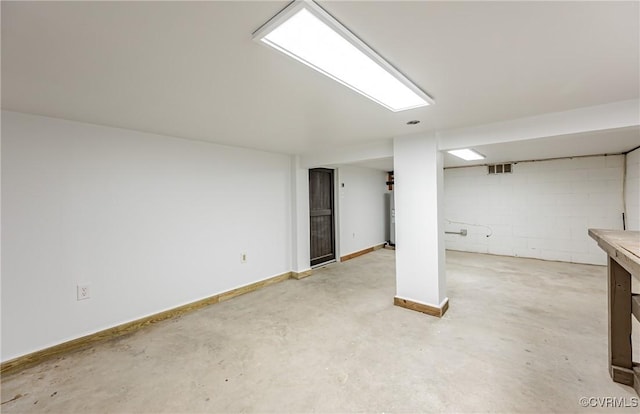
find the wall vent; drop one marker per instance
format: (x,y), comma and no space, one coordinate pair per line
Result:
(500,168)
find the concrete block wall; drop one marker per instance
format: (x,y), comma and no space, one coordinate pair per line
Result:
(542,210)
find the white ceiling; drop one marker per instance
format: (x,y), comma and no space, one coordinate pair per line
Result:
(609,142)
(190,69)
(591,143)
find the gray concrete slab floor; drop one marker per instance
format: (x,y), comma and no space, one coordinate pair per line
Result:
(520,336)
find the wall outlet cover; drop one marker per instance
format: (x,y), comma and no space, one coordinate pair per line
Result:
(83,292)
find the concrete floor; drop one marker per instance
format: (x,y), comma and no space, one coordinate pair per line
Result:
(521,335)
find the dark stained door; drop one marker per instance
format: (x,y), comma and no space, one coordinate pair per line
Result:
(321,216)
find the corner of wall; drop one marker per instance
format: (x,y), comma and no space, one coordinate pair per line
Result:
(632,190)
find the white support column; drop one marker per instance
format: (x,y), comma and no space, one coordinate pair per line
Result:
(420,265)
(300,237)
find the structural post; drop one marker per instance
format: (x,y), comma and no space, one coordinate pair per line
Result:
(300,254)
(420,256)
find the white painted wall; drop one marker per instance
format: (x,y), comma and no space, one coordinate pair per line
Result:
(350,154)
(542,210)
(300,231)
(361,206)
(150,222)
(418,177)
(632,190)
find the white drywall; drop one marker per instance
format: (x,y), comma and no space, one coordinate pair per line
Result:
(348,154)
(362,208)
(632,190)
(150,222)
(418,177)
(300,231)
(542,210)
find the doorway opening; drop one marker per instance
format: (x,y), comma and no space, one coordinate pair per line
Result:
(322,216)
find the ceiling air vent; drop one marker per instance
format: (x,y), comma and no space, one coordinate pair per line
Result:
(500,168)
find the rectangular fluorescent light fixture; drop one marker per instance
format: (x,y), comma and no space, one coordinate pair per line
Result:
(467,154)
(307,33)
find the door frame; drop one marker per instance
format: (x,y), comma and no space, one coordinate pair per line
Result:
(334,221)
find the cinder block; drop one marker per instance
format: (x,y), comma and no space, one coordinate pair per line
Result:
(542,207)
(586,162)
(604,186)
(501,250)
(611,173)
(614,160)
(589,258)
(557,255)
(527,252)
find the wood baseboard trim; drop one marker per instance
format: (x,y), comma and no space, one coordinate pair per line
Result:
(22,362)
(421,307)
(361,252)
(301,275)
(253,286)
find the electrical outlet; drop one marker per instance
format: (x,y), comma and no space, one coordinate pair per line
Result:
(243,258)
(83,292)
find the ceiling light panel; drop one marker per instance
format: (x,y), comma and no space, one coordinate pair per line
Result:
(467,154)
(310,35)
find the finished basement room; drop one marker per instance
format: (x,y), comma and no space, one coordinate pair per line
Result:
(320,206)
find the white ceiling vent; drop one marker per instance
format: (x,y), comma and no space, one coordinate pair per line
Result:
(500,168)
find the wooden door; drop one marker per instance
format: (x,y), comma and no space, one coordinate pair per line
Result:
(321,216)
